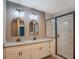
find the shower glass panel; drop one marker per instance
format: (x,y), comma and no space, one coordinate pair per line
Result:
(65,36)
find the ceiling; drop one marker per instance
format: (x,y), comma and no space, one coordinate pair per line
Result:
(48,6)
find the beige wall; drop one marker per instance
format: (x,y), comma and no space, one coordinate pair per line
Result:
(27,11)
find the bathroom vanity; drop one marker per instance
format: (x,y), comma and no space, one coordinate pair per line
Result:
(31,49)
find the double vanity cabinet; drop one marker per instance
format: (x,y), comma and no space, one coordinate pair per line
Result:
(29,51)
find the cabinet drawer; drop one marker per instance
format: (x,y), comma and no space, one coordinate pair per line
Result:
(12,50)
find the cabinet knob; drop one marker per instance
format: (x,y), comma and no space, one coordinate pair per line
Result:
(40,48)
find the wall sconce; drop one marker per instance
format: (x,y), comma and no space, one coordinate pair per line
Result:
(19,13)
(34,16)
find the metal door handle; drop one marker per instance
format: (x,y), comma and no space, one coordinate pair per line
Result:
(58,35)
(40,48)
(19,53)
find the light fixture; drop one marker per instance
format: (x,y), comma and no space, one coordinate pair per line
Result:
(34,16)
(19,13)
(16,13)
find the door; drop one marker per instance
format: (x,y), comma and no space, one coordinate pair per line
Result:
(12,53)
(13,56)
(44,49)
(52,47)
(65,36)
(25,52)
(35,51)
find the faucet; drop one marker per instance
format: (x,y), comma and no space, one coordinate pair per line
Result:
(18,40)
(34,38)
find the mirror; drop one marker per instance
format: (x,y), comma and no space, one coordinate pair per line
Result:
(17,27)
(33,27)
(14,28)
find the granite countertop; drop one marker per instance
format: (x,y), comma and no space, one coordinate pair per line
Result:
(9,44)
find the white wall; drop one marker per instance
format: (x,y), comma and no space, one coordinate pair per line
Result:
(4,20)
(48,16)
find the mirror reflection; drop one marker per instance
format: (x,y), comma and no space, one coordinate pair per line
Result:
(17,27)
(33,27)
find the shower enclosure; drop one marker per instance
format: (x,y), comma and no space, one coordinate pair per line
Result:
(65,35)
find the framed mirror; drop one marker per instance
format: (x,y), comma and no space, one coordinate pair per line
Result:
(33,27)
(17,27)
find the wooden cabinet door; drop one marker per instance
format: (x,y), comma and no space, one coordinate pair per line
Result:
(12,53)
(35,51)
(13,56)
(44,49)
(4,53)
(25,52)
(52,47)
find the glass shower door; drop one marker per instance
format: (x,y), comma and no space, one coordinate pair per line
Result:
(65,36)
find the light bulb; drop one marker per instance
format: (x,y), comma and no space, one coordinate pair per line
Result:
(34,17)
(21,13)
(16,13)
